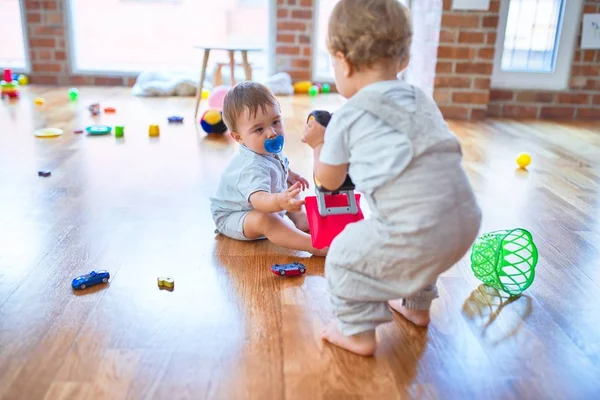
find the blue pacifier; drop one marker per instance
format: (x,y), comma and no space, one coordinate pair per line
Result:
(274,145)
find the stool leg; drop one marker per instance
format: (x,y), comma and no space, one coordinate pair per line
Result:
(201,83)
(247,67)
(218,77)
(232,66)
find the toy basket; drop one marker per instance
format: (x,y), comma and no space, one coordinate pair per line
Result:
(505,260)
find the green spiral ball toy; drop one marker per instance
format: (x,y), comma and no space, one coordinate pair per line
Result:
(505,260)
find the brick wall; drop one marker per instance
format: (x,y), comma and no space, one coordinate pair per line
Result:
(464,68)
(465,60)
(580,101)
(45,31)
(293,49)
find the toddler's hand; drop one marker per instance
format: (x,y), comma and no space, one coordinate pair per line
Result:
(288,201)
(314,134)
(295,178)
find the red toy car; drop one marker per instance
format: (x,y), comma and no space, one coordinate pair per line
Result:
(291,269)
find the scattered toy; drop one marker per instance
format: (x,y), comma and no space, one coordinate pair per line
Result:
(212,122)
(38,101)
(94,109)
(73,94)
(523,160)
(326,88)
(78,131)
(505,260)
(98,130)
(154,131)
(44,173)
(302,87)
(313,91)
(110,110)
(9,86)
(48,132)
(166,282)
(23,80)
(175,119)
(119,131)
(93,278)
(290,269)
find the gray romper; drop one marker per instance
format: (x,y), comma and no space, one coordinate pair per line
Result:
(247,173)
(424,216)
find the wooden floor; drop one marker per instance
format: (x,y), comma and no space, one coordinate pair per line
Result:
(232,330)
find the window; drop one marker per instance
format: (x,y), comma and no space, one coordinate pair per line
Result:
(535,43)
(322,68)
(141,35)
(530,35)
(13,53)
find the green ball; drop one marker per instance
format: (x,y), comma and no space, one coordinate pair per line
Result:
(326,88)
(73,94)
(313,91)
(505,260)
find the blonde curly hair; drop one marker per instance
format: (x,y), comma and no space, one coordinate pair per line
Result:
(368,31)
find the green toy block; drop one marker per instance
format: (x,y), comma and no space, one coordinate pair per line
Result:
(119,131)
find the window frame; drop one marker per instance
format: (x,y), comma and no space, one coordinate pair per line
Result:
(271,12)
(568,30)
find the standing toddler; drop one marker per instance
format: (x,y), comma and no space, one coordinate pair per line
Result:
(392,140)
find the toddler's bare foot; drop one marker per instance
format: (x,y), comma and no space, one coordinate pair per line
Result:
(363,344)
(319,252)
(300,220)
(417,317)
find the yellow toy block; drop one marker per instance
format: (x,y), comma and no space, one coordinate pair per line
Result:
(166,282)
(154,131)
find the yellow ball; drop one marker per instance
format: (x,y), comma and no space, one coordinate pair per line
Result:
(205,94)
(38,101)
(523,160)
(23,80)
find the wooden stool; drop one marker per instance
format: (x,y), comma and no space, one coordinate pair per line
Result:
(217,78)
(231,50)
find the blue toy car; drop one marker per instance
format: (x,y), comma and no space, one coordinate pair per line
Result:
(291,269)
(93,278)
